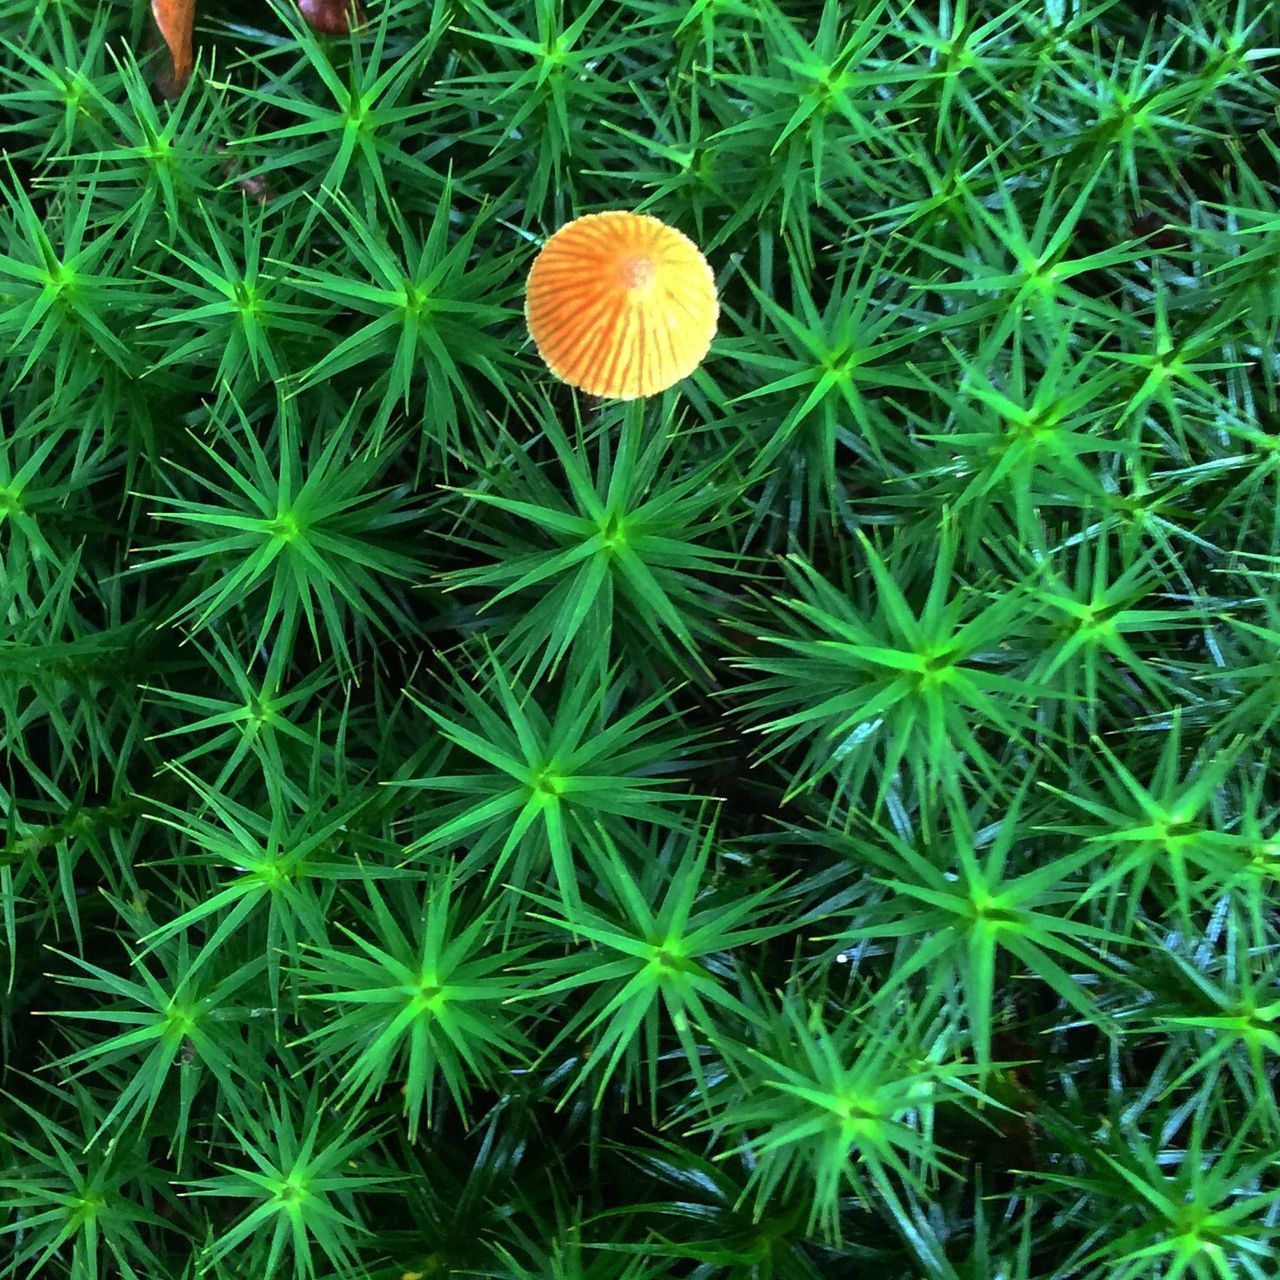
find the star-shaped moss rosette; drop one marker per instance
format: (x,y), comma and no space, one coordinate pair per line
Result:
(621,305)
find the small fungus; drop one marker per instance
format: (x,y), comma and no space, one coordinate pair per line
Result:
(621,305)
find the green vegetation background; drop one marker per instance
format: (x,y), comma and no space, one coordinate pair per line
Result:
(817,822)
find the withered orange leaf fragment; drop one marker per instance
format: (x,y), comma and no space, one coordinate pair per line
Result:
(175,18)
(330,17)
(621,305)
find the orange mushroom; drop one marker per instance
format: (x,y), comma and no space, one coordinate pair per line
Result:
(621,305)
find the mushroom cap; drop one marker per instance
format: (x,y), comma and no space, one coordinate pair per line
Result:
(621,305)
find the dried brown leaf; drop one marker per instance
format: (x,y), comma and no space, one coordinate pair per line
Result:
(175,18)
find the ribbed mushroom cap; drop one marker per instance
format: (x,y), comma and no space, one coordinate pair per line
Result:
(621,305)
